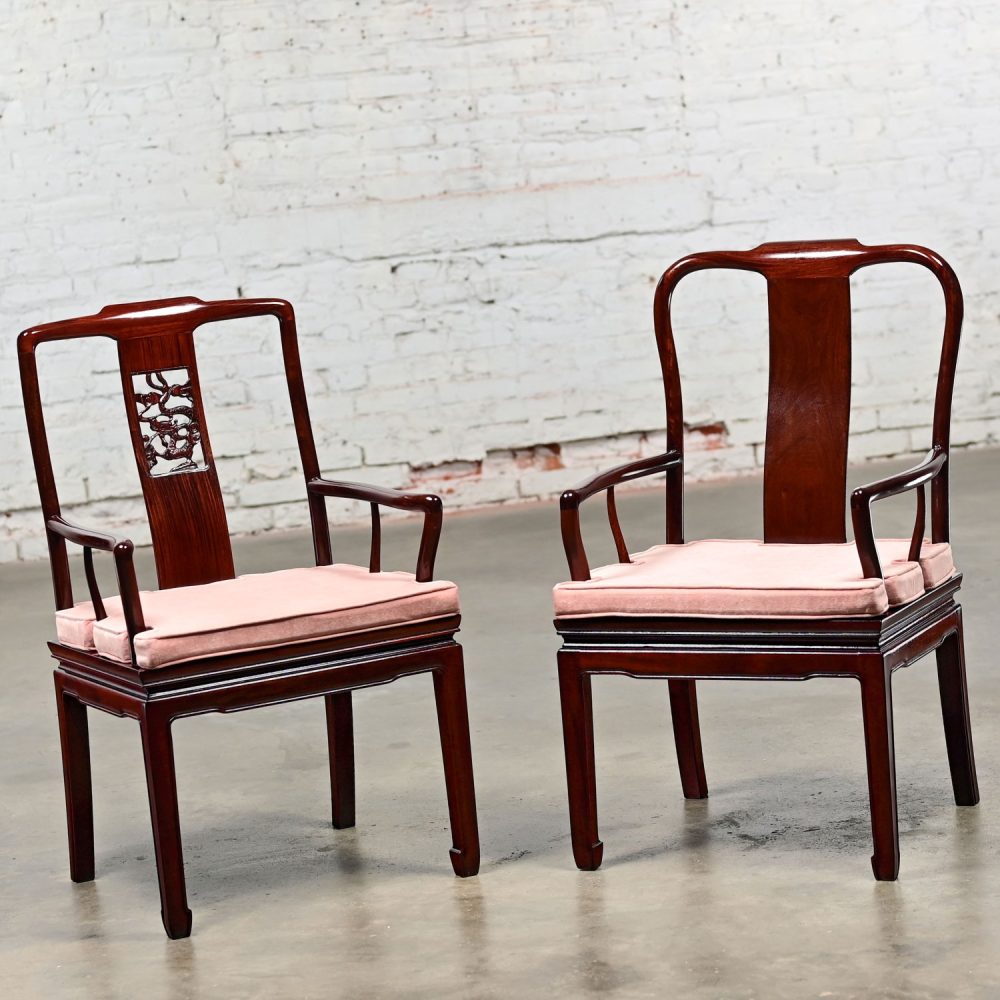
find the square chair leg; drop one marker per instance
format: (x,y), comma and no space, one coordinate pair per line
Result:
(74,738)
(687,738)
(161,782)
(581,778)
(955,710)
(876,706)
(453,723)
(340,737)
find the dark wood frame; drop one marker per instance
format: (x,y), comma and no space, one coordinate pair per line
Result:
(804,489)
(191,545)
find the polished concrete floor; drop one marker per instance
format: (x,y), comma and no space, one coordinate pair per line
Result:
(764,890)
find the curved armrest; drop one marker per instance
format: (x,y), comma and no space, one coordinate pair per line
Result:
(864,496)
(378,496)
(569,505)
(82,536)
(122,550)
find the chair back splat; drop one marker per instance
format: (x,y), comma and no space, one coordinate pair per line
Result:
(173,451)
(809,388)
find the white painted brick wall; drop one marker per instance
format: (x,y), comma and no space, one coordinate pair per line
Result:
(469,202)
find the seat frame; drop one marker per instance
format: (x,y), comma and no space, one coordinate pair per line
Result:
(809,406)
(190,550)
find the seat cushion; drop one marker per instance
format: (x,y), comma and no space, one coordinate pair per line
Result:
(731,578)
(936,561)
(256,611)
(75,626)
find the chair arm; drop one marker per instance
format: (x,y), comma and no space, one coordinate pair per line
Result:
(378,496)
(82,536)
(122,550)
(864,496)
(569,507)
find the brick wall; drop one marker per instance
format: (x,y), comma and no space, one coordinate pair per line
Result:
(469,203)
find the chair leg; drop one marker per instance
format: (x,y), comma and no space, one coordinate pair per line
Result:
(340,736)
(456,750)
(955,709)
(581,779)
(687,738)
(161,782)
(876,703)
(74,738)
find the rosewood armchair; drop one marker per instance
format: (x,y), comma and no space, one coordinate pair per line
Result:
(803,602)
(211,641)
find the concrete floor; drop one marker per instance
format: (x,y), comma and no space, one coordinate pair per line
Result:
(764,890)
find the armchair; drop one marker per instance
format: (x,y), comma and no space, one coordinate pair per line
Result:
(209,640)
(803,601)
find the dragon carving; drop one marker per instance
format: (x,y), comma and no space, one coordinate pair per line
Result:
(170,428)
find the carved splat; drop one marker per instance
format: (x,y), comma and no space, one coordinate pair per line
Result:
(170,425)
(168,428)
(173,453)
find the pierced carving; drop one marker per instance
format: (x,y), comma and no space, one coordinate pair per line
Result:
(168,422)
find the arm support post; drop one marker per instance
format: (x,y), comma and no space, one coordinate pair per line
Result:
(864,496)
(122,551)
(378,496)
(569,507)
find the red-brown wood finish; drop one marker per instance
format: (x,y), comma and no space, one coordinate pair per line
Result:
(191,545)
(805,470)
(808,409)
(185,510)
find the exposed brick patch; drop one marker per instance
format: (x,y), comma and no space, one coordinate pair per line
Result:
(444,472)
(707,436)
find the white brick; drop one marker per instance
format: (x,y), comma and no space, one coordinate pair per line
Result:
(273,491)
(469,209)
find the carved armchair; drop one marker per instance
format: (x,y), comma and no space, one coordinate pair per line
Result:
(803,602)
(208,640)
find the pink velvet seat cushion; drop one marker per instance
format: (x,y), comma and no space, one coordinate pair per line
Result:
(741,579)
(936,560)
(256,611)
(75,625)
